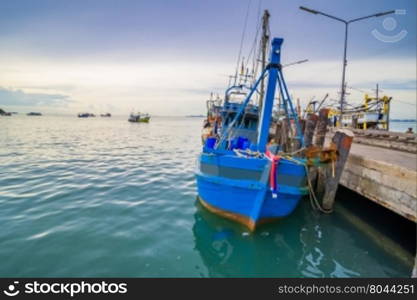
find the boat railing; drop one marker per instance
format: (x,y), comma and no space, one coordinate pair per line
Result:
(236,90)
(241,110)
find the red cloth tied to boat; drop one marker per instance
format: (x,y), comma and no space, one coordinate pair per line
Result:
(273,172)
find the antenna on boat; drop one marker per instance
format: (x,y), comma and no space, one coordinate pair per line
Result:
(295,63)
(377,90)
(230,80)
(322,101)
(242,68)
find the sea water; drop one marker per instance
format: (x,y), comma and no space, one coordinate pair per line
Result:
(107,198)
(403,126)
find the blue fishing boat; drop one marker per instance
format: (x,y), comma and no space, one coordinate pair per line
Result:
(239,174)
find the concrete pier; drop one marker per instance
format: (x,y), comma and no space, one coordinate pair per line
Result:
(386,139)
(382,166)
(386,176)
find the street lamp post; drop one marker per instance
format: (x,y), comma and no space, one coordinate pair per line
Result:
(346,22)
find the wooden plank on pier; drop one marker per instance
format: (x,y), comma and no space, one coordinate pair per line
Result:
(309,129)
(342,141)
(321,127)
(284,137)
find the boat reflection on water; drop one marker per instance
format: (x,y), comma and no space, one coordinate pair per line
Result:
(305,245)
(229,250)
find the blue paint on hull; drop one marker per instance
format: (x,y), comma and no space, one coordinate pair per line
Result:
(252,199)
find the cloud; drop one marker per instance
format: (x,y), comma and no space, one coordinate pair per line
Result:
(400,71)
(157,87)
(17,97)
(181,87)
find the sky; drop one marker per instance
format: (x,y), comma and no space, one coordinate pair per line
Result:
(165,57)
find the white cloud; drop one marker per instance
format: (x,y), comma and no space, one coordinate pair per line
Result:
(179,87)
(16,97)
(156,86)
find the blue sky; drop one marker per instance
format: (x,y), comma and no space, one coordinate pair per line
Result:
(167,56)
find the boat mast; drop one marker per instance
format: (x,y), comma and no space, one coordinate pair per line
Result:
(264,48)
(273,69)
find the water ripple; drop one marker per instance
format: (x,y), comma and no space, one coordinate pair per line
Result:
(103,197)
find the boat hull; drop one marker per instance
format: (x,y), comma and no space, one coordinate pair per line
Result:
(146,120)
(239,218)
(139,120)
(243,194)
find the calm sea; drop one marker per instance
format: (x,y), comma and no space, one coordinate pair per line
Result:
(104,197)
(403,126)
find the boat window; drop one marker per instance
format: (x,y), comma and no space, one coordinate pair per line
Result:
(229,118)
(247,123)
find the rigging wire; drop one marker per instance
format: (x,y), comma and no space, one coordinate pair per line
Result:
(356,89)
(242,40)
(255,41)
(252,54)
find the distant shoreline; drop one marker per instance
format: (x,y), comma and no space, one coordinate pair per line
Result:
(195,116)
(405,120)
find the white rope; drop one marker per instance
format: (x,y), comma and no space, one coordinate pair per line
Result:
(247,153)
(292,153)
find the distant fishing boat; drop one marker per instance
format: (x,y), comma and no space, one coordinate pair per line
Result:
(5,113)
(139,118)
(213,119)
(106,115)
(237,171)
(373,114)
(34,114)
(86,115)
